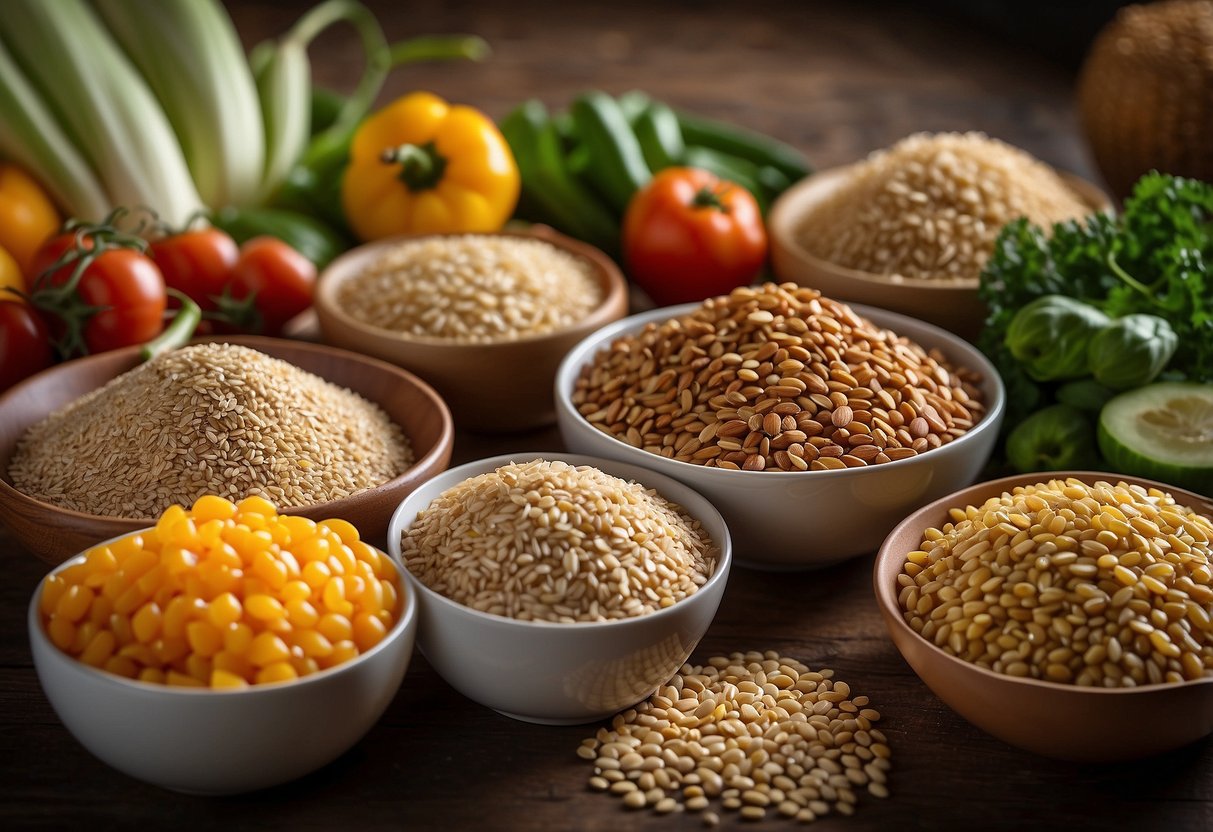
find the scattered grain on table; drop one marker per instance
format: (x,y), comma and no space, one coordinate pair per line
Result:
(472,288)
(776,378)
(208,419)
(549,541)
(932,205)
(1104,585)
(755,733)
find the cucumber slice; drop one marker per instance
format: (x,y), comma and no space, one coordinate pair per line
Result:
(1162,431)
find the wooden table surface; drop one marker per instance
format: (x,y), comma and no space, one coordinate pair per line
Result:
(838,82)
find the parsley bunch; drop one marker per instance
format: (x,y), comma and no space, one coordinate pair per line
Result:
(1153,258)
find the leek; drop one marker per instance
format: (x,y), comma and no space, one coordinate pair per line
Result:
(30,136)
(103,104)
(189,53)
(284,80)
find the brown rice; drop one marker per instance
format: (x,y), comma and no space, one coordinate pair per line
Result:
(549,541)
(931,206)
(472,288)
(208,419)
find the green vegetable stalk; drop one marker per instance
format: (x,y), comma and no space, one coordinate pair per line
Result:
(1131,351)
(1049,337)
(1057,438)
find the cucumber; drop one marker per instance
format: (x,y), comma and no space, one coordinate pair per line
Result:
(308,235)
(1162,431)
(617,168)
(746,144)
(660,136)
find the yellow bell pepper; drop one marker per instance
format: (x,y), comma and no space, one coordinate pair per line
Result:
(423,166)
(27,215)
(10,277)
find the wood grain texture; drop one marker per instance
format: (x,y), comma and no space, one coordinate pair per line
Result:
(837,80)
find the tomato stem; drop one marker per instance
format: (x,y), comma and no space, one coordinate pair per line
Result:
(178,332)
(711,196)
(421,166)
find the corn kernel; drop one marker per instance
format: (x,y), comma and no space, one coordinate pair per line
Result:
(368,631)
(269,569)
(264,607)
(154,675)
(296,590)
(62,633)
(74,603)
(255,505)
(223,680)
(204,638)
(333,596)
(335,627)
(301,614)
(211,507)
(238,638)
(342,528)
(268,648)
(233,663)
(314,643)
(276,672)
(182,680)
(316,574)
(224,609)
(122,666)
(146,623)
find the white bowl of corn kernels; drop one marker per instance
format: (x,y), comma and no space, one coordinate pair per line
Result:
(809,464)
(557,588)
(174,683)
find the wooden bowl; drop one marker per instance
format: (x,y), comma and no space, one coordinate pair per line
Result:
(494,387)
(54,534)
(1048,718)
(946,302)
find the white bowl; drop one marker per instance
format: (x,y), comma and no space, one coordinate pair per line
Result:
(805,519)
(203,741)
(562,674)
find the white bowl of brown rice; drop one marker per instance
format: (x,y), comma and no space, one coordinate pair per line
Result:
(559,588)
(484,318)
(809,464)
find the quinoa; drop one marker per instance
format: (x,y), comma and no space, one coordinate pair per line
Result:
(472,288)
(549,541)
(208,419)
(776,378)
(931,206)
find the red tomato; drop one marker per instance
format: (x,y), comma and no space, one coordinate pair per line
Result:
(197,263)
(279,279)
(25,346)
(123,285)
(689,235)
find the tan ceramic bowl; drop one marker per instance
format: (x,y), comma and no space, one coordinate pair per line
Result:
(1056,720)
(497,387)
(54,533)
(948,303)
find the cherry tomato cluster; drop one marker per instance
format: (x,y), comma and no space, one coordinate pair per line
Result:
(93,289)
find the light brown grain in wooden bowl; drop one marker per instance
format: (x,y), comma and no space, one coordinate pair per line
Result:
(53,533)
(949,303)
(492,387)
(1064,721)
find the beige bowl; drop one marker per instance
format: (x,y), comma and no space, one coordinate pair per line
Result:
(949,303)
(496,387)
(1056,720)
(53,533)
